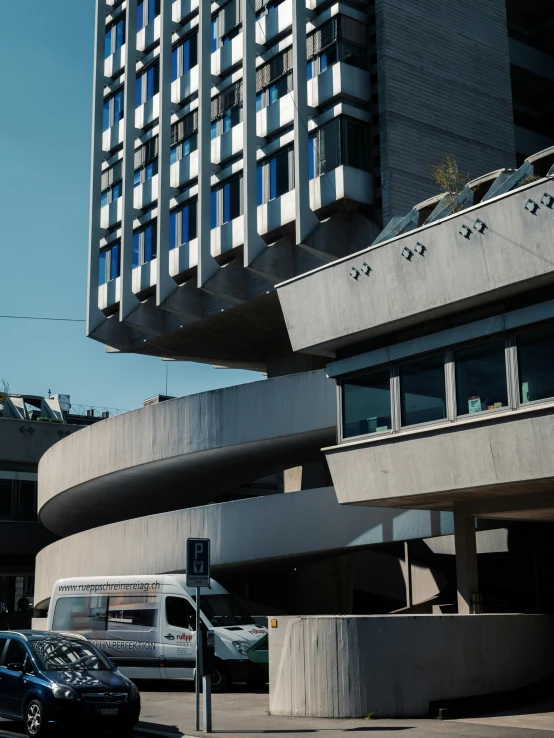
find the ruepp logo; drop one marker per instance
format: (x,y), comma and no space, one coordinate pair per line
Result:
(184,637)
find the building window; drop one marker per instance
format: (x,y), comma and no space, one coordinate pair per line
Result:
(226,24)
(423,391)
(18,500)
(113,110)
(274,79)
(146,161)
(146,172)
(226,202)
(145,245)
(147,10)
(226,109)
(115,38)
(275,176)
(263,7)
(182,225)
(109,266)
(148,85)
(184,57)
(481,377)
(366,404)
(340,141)
(339,39)
(183,136)
(184,148)
(111,184)
(535,353)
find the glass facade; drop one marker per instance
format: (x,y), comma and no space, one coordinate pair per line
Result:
(481,378)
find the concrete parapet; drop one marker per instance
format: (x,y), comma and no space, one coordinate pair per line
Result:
(395,665)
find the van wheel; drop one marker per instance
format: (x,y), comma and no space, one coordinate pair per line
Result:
(221,679)
(35,719)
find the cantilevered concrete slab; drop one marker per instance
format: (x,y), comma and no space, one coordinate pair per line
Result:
(258,530)
(391,286)
(184,452)
(500,467)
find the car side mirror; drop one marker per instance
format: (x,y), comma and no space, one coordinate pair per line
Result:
(17,667)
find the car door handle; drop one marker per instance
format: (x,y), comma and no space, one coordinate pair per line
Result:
(170,637)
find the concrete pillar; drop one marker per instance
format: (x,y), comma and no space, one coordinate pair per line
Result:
(253,242)
(467,581)
(94,314)
(407,572)
(165,283)
(325,587)
(207,265)
(129,300)
(306,221)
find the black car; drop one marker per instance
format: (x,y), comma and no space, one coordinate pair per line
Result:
(49,679)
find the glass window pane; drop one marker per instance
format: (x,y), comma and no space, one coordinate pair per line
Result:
(149,243)
(80,614)
(366,404)
(118,107)
(193,46)
(279,175)
(422,391)
(104,199)
(172,230)
(481,378)
(226,203)
(138,92)
(173,154)
(192,220)
(214,35)
(136,249)
(106,118)
(140,16)
(260,184)
(5,498)
(114,262)
(186,56)
(120,34)
(355,145)
(311,167)
(185,238)
(310,70)
(174,67)
(27,503)
(152,80)
(116,191)
(180,613)
(152,10)
(226,121)
(102,268)
(213,209)
(213,130)
(189,144)
(136,179)
(259,101)
(535,352)
(108,44)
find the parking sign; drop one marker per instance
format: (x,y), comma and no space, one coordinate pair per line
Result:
(198,562)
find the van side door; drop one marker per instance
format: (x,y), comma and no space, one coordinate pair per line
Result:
(179,637)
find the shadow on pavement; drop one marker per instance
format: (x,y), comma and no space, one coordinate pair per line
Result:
(176,685)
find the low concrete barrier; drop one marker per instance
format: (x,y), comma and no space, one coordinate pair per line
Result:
(345,666)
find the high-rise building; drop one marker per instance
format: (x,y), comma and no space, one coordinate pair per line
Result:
(242,143)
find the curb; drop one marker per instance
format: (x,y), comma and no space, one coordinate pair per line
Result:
(142,730)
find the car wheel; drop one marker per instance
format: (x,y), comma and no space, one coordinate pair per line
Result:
(35,719)
(221,679)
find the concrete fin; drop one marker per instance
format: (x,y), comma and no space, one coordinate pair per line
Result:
(502,185)
(14,407)
(185,301)
(51,409)
(147,318)
(276,262)
(113,333)
(341,234)
(398,225)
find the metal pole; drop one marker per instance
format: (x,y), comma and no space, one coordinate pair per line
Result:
(207,702)
(198,658)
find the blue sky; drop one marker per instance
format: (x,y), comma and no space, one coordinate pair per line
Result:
(47,51)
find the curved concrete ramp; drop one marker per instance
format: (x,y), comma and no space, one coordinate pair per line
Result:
(184,452)
(260,529)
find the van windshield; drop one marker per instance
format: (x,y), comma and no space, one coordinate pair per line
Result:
(224,610)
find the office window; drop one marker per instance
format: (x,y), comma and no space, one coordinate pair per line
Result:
(226,202)
(422,390)
(145,245)
(184,57)
(215,37)
(535,353)
(183,149)
(182,225)
(148,85)
(27,501)
(146,172)
(366,404)
(226,109)
(115,38)
(355,149)
(147,10)
(113,110)
(5,498)
(109,264)
(481,377)
(275,176)
(274,79)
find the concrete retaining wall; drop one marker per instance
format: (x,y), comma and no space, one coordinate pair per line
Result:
(395,665)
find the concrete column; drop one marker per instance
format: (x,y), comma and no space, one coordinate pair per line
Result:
(94,314)
(306,221)
(207,265)
(165,283)
(253,242)
(128,300)
(467,581)
(407,572)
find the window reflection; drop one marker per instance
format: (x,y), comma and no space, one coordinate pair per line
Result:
(366,403)
(422,391)
(535,360)
(481,378)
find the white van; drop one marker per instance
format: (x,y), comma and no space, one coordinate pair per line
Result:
(146,625)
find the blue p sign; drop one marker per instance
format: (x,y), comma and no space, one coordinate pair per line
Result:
(198,562)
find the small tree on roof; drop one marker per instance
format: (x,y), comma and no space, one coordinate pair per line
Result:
(448,177)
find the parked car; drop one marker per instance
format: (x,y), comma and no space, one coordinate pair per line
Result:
(48,679)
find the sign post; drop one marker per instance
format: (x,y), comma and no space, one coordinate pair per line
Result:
(198,575)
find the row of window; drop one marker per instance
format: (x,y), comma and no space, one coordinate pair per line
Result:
(502,372)
(114,38)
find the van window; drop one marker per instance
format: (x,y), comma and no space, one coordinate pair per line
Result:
(80,613)
(132,612)
(180,613)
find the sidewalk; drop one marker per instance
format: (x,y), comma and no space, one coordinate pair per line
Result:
(239,713)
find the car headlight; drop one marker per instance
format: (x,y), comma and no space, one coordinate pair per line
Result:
(135,694)
(62,692)
(241,646)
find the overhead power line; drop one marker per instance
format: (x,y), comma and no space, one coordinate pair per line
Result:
(36,317)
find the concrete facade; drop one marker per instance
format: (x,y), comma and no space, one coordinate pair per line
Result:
(395,666)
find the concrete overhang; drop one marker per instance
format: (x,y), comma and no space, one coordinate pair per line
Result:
(184,452)
(500,467)
(329,308)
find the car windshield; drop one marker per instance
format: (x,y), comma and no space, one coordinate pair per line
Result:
(224,610)
(58,654)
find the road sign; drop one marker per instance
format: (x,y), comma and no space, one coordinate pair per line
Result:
(198,562)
